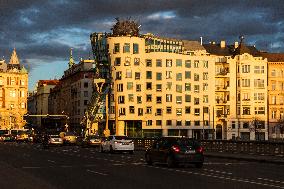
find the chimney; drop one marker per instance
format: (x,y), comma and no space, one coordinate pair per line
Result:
(223,44)
(236,44)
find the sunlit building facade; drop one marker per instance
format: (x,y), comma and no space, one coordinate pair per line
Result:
(13,93)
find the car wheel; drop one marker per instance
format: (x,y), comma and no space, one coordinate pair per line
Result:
(148,159)
(170,162)
(111,150)
(198,165)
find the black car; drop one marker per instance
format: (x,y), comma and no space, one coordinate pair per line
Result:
(175,151)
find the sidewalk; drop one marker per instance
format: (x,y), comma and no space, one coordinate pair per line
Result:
(247,157)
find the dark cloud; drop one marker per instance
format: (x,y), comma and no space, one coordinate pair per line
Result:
(47,29)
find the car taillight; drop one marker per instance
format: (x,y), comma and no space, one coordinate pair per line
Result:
(176,148)
(200,149)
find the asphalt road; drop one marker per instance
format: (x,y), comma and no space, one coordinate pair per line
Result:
(29,166)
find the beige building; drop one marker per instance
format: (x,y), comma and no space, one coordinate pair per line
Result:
(13,93)
(241,91)
(275,94)
(161,86)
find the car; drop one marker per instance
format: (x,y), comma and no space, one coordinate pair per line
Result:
(51,140)
(92,140)
(175,151)
(7,138)
(3,133)
(22,136)
(115,143)
(68,137)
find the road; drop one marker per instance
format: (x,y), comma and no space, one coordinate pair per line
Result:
(29,166)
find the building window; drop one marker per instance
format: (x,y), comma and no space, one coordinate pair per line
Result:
(116,48)
(246,68)
(205,64)
(197,123)
(169,86)
(259,83)
(187,87)
(85,102)
(246,110)
(179,88)
(138,87)
(158,122)
(129,85)
(245,82)
(131,109)
(149,85)
(121,111)
(178,63)
(205,75)
(258,96)
(86,94)
(196,64)
(196,77)
(158,111)
(136,61)
(158,76)
(196,88)
(140,111)
(148,63)
(169,122)
(196,111)
(86,84)
(121,100)
(120,87)
(159,87)
(137,75)
(273,73)
(149,98)
(273,99)
(187,74)
(117,61)
(196,101)
(131,97)
(135,48)
(169,109)
(169,98)
(158,63)
(245,125)
(178,111)
(273,114)
(188,63)
(187,98)
(148,110)
(126,48)
(118,75)
(148,74)
(169,75)
(169,63)
(178,99)
(187,110)
(158,99)
(149,123)
(23,105)
(128,73)
(205,98)
(259,110)
(187,123)
(258,69)
(139,99)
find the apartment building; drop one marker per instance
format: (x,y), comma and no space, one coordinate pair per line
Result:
(275,97)
(13,93)
(159,86)
(72,94)
(241,91)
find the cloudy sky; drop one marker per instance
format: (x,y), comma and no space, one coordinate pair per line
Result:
(43,31)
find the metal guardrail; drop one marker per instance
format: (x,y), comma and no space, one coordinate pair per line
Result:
(228,146)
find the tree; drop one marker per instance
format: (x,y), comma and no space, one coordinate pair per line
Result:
(256,125)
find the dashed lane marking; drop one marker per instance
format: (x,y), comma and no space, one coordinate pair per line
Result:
(95,172)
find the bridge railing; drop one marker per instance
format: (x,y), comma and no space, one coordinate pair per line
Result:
(227,146)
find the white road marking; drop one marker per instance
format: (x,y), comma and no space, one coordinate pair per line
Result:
(270,180)
(103,174)
(51,161)
(31,167)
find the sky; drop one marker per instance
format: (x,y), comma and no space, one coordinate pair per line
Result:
(43,31)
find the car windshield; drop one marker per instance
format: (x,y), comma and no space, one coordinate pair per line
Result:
(121,137)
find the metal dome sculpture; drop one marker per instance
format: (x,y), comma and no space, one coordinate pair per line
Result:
(126,27)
